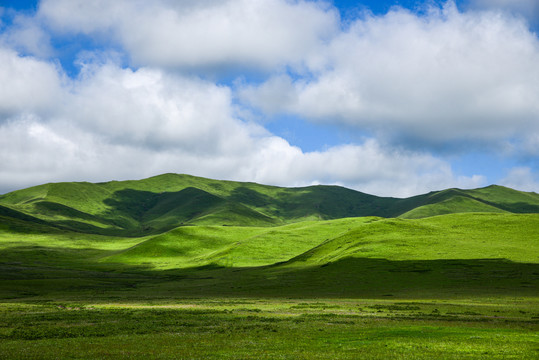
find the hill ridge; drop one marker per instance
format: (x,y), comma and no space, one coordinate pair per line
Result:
(162,202)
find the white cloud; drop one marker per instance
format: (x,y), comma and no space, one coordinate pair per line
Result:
(531,145)
(522,178)
(115,123)
(154,109)
(438,78)
(27,35)
(526,8)
(28,84)
(198,34)
(441,77)
(34,152)
(368,167)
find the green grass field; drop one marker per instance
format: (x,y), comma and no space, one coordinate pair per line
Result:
(269,329)
(250,276)
(453,286)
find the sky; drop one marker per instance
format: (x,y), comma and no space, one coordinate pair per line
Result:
(392,98)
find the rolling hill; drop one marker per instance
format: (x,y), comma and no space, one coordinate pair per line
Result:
(454,255)
(162,203)
(180,235)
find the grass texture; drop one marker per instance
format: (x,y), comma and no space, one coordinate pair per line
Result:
(179,267)
(162,203)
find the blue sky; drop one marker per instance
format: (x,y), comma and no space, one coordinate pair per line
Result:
(392,98)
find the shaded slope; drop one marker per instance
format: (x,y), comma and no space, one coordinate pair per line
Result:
(15,221)
(442,256)
(508,199)
(493,198)
(378,278)
(452,205)
(163,202)
(160,203)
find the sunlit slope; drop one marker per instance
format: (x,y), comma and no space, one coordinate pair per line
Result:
(161,203)
(233,246)
(317,243)
(472,254)
(451,205)
(495,199)
(456,236)
(508,199)
(132,207)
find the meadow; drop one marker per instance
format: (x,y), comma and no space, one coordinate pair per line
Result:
(286,284)
(247,328)
(338,289)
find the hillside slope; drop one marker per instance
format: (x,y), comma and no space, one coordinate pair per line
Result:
(495,199)
(454,236)
(473,254)
(233,246)
(161,203)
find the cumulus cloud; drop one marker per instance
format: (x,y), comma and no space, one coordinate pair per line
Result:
(117,123)
(368,167)
(34,152)
(526,8)
(522,178)
(161,111)
(26,35)
(438,78)
(29,84)
(198,34)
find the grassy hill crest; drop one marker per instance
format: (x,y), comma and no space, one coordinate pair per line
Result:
(164,202)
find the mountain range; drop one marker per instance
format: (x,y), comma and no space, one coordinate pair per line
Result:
(161,203)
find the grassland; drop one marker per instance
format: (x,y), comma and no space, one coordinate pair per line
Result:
(453,286)
(256,272)
(161,203)
(269,329)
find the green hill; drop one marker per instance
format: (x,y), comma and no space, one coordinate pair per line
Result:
(233,246)
(178,234)
(451,205)
(316,243)
(161,203)
(456,236)
(18,222)
(469,254)
(494,199)
(177,259)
